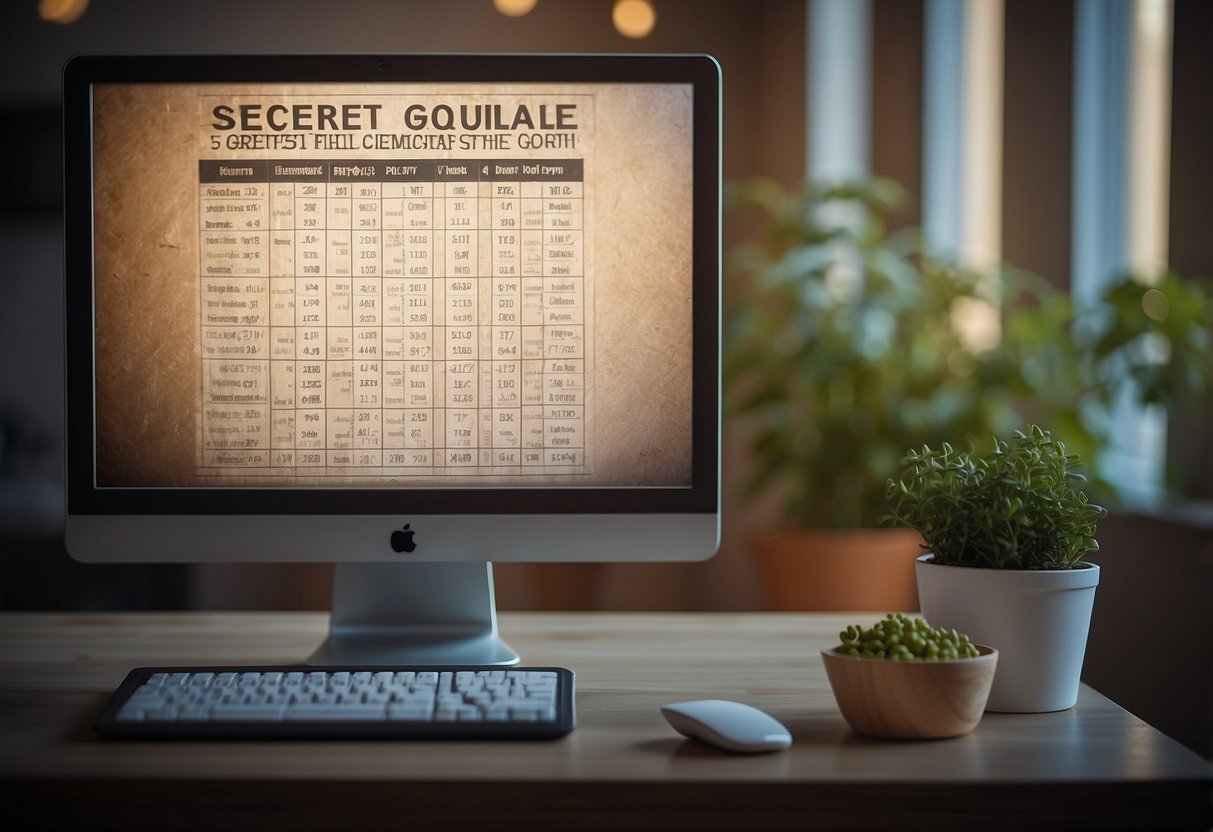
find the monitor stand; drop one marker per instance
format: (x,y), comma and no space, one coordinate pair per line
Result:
(413,614)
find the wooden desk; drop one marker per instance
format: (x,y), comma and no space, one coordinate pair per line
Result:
(1095,766)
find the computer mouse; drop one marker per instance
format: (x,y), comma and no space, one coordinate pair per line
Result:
(733,726)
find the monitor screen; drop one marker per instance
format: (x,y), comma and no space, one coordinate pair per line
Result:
(312,299)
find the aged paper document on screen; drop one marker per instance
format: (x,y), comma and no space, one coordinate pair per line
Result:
(360,285)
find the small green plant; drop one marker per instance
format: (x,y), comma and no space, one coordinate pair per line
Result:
(1018,507)
(899,638)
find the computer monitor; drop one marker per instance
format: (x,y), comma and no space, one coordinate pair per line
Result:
(408,314)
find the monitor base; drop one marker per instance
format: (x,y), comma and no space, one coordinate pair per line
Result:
(394,614)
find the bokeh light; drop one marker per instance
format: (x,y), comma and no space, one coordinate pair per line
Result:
(634,18)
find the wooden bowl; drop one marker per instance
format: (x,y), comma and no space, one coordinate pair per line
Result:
(911,700)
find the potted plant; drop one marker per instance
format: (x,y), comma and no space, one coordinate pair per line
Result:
(1006,533)
(845,343)
(837,358)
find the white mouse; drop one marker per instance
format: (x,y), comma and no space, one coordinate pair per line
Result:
(732,726)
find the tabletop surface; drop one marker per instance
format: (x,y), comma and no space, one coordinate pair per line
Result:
(57,669)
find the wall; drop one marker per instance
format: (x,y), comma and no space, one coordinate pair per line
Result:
(1191,214)
(1151,643)
(759,45)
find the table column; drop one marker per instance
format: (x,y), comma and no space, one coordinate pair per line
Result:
(366,184)
(564,316)
(311,318)
(392,355)
(531,319)
(484,321)
(234,315)
(419,304)
(506,309)
(339,378)
(283,350)
(460,346)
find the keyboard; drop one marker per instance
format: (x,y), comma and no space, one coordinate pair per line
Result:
(341,703)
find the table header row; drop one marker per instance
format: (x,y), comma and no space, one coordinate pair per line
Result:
(390,170)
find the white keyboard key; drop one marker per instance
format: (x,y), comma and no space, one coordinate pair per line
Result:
(161,715)
(336,712)
(248,713)
(417,699)
(412,713)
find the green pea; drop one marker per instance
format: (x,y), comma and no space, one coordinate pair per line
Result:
(898,637)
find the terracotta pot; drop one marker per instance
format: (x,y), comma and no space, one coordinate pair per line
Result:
(850,569)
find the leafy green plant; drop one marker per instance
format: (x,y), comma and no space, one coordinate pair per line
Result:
(1019,506)
(845,345)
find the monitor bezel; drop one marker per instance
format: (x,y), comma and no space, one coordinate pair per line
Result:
(702,496)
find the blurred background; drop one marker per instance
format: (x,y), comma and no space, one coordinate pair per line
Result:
(1070,138)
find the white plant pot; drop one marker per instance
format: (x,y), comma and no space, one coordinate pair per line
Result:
(1037,619)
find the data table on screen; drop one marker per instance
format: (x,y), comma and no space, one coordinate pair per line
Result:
(393,318)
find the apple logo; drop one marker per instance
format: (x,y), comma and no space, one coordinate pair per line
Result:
(402,539)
